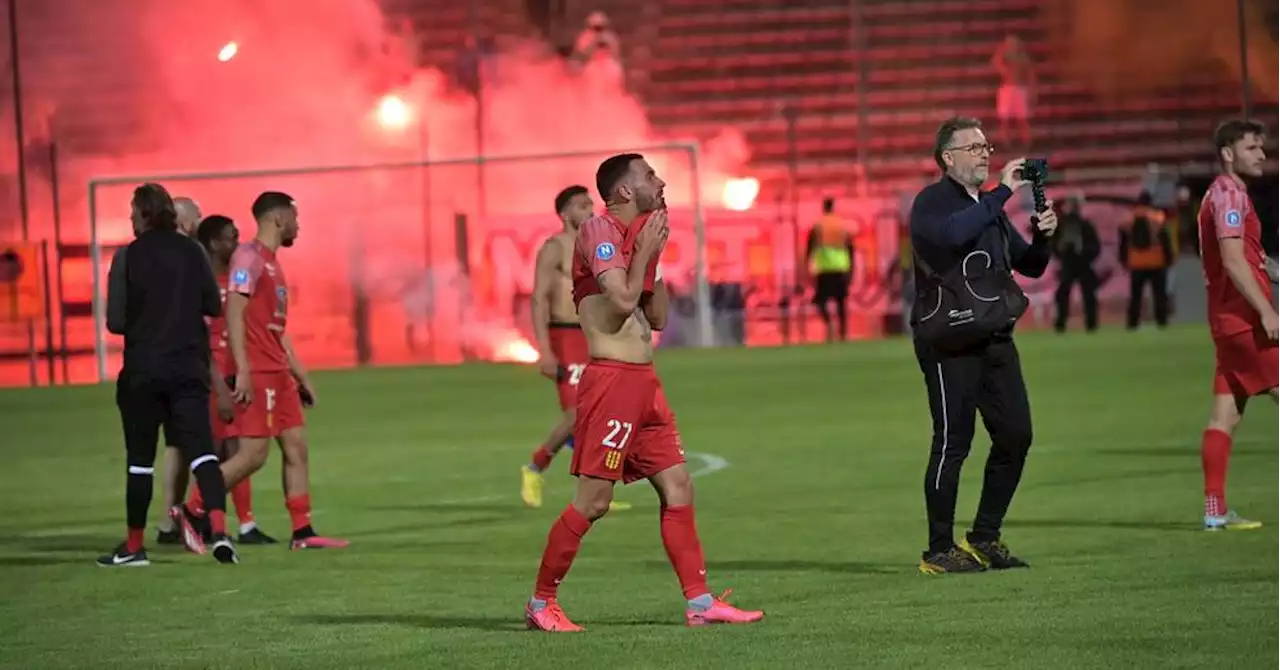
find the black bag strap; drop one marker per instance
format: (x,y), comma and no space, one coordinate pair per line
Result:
(1002,223)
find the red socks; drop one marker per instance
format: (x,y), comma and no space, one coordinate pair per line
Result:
(242,496)
(679,537)
(1215,450)
(217,518)
(684,550)
(218,522)
(195,503)
(541,459)
(299,511)
(133,543)
(562,545)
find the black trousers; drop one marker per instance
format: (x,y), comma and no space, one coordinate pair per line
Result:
(1087,280)
(1138,279)
(985,380)
(180,403)
(833,287)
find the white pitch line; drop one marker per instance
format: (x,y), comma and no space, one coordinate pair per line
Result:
(470,501)
(65,531)
(710,463)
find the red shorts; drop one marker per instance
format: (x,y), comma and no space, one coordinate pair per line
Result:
(569,345)
(625,430)
(275,408)
(1246,364)
(221,429)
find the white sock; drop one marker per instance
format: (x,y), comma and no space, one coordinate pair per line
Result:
(701,603)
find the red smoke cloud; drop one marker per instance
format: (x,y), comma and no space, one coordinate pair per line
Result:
(303,89)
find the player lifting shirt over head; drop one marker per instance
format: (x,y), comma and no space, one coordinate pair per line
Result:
(625,431)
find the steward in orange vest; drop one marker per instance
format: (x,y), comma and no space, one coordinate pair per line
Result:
(1147,251)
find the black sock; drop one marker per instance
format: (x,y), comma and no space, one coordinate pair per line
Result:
(137,495)
(304,533)
(213,491)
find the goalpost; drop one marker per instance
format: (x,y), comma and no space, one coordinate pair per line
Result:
(427,201)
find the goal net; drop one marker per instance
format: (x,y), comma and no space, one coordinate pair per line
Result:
(417,261)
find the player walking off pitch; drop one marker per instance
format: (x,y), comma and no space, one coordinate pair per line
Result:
(625,431)
(1241,317)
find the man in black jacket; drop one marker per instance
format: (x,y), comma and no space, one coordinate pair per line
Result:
(950,219)
(1076,246)
(160,289)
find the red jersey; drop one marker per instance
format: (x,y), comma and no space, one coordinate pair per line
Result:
(256,274)
(219,341)
(604,244)
(1226,211)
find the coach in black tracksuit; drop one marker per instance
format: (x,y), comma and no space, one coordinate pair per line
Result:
(949,219)
(159,290)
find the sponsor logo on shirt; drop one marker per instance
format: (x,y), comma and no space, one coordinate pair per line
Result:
(1233,218)
(240,277)
(605,251)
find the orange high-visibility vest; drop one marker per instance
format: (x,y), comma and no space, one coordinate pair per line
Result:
(832,254)
(1152,257)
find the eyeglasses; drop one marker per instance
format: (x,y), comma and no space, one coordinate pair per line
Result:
(975,149)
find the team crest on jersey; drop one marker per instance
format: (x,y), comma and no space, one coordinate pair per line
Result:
(240,277)
(605,251)
(1233,218)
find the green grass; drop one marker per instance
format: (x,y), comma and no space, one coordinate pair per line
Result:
(818,520)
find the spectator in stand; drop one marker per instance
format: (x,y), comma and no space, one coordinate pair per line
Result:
(475,63)
(598,48)
(1017,91)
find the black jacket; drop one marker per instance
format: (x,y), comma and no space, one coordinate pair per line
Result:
(947,224)
(159,290)
(1076,244)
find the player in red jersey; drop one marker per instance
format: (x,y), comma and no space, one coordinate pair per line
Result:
(1242,319)
(220,238)
(562,347)
(270,385)
(625,430)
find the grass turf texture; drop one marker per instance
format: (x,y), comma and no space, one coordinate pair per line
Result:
(818,520)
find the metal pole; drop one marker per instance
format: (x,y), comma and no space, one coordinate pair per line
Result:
(1246,87)
(255,173)
(55,193)
(428,201)
(784,282)
(99,309)
(793,176)
(48,311)
(18,133)
(706,332)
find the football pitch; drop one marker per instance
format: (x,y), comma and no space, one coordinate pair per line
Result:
(810,464)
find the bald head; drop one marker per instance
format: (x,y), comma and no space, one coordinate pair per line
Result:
(188,215)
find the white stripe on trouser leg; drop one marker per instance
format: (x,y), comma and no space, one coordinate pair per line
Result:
(202,460)
(141,470)
(942,395)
